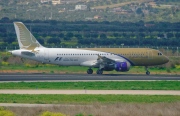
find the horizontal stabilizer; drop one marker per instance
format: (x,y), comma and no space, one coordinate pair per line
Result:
(27,53)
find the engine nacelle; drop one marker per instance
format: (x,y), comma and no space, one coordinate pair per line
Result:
(122,66)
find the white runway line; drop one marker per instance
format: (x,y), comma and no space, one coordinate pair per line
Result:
(103,92)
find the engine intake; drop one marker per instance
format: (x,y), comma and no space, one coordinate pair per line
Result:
(122,66)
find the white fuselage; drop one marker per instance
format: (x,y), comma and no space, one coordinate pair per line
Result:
(66,56)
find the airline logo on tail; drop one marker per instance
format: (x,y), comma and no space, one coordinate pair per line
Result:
(25,39)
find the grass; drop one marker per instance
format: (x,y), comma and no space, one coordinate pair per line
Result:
(107,85)
(98,109)
(42,67)
(71,99)
(47,68)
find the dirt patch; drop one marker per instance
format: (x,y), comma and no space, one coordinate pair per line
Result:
(97,109)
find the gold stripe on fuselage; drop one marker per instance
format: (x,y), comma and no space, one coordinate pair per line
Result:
(137,56)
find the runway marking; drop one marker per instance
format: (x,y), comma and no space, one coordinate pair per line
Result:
(83,77)
(40,105)
(102,92)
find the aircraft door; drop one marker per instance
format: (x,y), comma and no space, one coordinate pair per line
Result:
(149,54)
(46,55)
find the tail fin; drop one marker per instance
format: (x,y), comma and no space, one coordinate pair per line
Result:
(25,39)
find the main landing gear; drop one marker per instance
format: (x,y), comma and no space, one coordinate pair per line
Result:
(89,71)
(147,72)
(99,71)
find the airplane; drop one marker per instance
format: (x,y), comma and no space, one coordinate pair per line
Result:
(105,59)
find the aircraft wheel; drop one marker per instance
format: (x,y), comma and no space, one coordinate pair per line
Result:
(89,71)
(147,73)
(99,71)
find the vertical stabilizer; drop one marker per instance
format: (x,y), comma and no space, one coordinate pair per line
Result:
(25,39)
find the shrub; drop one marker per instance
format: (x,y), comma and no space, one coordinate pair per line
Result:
(83,114)
(4,63)
(173,65)
(4,112)
(31,66)
(5,58)
(47,113)
(168,70)
(177,66)
(51,71)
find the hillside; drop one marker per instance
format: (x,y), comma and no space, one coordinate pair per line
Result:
(97,10)
(119,4)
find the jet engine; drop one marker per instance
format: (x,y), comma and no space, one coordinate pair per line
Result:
(118,66)
(122,66)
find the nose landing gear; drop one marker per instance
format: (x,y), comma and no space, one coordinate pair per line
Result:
(147,72)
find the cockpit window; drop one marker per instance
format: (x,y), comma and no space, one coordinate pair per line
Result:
(159,54)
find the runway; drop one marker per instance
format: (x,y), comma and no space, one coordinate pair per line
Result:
(84,77)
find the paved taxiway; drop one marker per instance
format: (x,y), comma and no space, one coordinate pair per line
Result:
(102,92)
(84,77)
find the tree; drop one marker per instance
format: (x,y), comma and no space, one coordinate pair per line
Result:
(177,35)
(170,35)
(61,35)
(2,30)
(69,35)
(54,41)
(53,22)
(103,36)
(124,35)
(78,36)
(87,35)
(142,35)
(5,19)
(139,11)
(9,40)
(160,35)
(94,35)
(41,41)
(115,34)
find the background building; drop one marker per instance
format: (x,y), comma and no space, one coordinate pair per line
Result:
(54,2)
(80,7)
(45,1)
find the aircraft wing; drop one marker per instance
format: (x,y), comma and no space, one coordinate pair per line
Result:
(91,63)
(101,61)
(105,60)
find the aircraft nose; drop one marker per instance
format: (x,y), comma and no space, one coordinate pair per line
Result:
(166,59)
